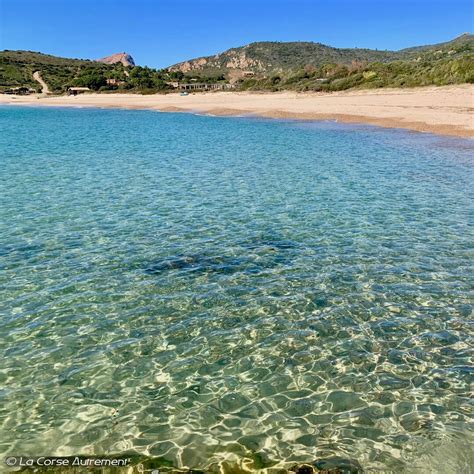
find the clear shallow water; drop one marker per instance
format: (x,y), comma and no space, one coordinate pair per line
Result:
(234,292)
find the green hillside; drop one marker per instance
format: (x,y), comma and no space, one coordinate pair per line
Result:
(441,64)
(466,40)
(336,77)
(317,67)
(17,68)
(265,58)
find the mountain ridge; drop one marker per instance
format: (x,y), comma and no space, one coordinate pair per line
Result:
(265,57)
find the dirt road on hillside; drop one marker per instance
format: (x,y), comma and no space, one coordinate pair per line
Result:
(37,77)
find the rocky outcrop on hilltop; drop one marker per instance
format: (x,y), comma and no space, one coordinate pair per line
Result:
(123,58)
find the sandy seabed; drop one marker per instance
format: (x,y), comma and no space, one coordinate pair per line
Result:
(444,110)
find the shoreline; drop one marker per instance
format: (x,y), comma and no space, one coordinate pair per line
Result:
(447,110)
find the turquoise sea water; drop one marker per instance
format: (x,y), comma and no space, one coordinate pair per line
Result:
(234,293)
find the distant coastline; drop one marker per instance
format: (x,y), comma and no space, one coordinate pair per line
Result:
(444,110)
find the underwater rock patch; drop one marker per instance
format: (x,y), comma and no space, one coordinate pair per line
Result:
(334,465)
(338,465)
(225,264)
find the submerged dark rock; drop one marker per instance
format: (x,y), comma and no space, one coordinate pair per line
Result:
(269,243)
(304,469)
(23,249)
(338,465)
(173,263)
(265,253)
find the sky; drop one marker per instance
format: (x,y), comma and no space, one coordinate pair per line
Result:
(158,33)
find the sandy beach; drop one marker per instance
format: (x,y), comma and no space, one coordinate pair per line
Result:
(443,110)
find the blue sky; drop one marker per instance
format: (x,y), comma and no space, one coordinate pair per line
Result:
(158,33)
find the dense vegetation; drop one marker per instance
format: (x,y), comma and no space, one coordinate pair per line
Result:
(441,64)
(17,67)
(275,66)
(336,77)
